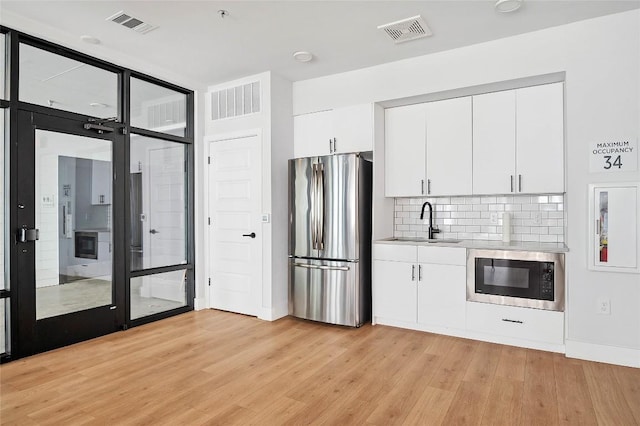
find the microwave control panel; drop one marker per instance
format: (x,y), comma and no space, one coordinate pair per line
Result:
(546,281)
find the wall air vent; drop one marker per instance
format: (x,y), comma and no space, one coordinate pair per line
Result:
(235,101)
(407,29)
(130,22)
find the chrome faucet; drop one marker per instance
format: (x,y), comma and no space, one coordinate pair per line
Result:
(432,230)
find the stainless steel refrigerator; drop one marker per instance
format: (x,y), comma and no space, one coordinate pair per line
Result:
(330,239)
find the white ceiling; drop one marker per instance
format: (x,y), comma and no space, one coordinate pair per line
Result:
(194,46)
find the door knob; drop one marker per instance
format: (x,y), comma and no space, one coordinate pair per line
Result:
(252,235)
(153,231)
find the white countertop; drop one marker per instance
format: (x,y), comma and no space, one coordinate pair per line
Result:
(482,244)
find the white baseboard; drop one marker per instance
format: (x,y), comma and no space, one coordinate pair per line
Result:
(200,303)
(273,314)
(603,353)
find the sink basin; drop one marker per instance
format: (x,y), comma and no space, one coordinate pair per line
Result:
(425,240)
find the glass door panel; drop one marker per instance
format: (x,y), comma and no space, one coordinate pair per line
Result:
(73,214)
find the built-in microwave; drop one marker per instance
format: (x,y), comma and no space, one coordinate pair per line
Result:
(86,245)
(516,278)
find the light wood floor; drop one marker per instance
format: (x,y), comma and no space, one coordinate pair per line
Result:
(212,367)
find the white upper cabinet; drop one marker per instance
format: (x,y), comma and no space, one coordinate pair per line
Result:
(540,139)
(494,143)
(405,151)
(342,130)
(518,141)
(101,182)
(449,147)
(311,134)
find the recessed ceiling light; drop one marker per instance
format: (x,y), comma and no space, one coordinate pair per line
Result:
(90,39)
(506,6)
(303,56)
(98,105)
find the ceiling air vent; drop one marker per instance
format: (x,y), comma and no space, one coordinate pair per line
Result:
(407,29)
(132,23)
(235,101)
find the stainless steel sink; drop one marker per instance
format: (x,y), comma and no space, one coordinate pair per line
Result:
(425,240)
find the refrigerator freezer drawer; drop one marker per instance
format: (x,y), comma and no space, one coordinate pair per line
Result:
(326,291)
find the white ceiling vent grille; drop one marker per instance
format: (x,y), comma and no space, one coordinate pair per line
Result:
(235,101)
(407,29)
(132,23)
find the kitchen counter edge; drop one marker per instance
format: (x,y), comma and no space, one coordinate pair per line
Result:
(484,244)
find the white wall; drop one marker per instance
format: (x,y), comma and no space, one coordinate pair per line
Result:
(601,59)
(274,125)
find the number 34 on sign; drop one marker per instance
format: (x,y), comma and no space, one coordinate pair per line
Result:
(614,156)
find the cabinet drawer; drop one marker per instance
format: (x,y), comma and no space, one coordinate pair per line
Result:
(395,252)
(522,323)
(442,255)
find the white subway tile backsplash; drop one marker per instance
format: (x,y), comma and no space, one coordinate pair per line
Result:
(534,217)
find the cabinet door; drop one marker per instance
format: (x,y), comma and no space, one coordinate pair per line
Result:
(404,151)
(449,147)
(494,143)
(101,182)
(311,134)
(353,129)
(540,139)
(442,295)
(394,290)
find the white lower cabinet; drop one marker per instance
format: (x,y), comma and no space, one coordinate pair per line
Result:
(394,292)
(419,287)
(535,325)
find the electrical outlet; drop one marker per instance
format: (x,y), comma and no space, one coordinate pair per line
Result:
(603,307)
(494,218)
(537,218)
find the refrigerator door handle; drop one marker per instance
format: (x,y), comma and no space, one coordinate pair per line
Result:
(323,267)
(314,206)
(320,216)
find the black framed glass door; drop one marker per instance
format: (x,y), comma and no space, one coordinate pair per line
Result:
(67,198)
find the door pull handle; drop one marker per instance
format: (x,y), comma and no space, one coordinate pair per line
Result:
(251,235)
(25,235)
(153,231)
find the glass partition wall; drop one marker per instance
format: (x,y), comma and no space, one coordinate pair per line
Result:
(97,223)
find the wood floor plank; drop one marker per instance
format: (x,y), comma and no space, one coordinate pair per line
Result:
(504,403)
(574,401)
(609,402)
(629,381)
(214,367)
(539,403)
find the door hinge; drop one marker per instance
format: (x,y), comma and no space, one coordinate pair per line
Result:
(124,130)
(208,160)
(209,281)
(209,220)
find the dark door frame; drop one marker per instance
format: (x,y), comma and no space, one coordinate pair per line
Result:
(48,117)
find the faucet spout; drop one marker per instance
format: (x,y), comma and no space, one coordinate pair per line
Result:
(432,230)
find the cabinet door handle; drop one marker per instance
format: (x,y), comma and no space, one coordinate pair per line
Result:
(330,146)
(419,272)
(519,183)
(334,145)
(413,272)
(428,186)
(512,321)
(422,186)
(511,182)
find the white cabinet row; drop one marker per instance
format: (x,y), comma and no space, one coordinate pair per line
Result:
(496,143)
(337,131)
(424,288)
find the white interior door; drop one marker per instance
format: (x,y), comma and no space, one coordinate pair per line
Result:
(235,200)
(165,236)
